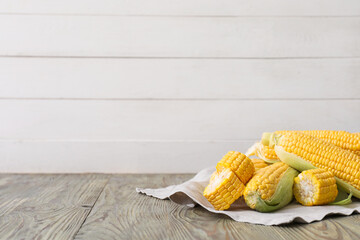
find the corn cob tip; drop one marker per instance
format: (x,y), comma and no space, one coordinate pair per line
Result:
(263,152)
(259,164)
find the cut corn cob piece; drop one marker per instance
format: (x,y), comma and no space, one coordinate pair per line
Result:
(315,187)
(343,139)
(271,188)
(239,163)
(303,152)
(223,189)
(258,164)
(264,152)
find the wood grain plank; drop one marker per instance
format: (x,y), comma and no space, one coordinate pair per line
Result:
(170,120)
(51,223)
(113,157)
(186,7)
(179,37)
(121,213)
(86,78)
(331,228)
(65,189)
(46,206)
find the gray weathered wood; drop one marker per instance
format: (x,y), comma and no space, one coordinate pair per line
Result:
(90,206)
(121,213)
(335,227)
(46,206)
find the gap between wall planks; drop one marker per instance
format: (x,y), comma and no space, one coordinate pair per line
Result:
(179,37)
(170,120)
(117,79)
(185,7)
(114,156)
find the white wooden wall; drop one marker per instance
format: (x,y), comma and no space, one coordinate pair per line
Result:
(169,85)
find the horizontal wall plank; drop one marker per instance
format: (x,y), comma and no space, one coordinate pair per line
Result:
(179,78)
(110,36)
(170,120)
(186,7)
(113,157)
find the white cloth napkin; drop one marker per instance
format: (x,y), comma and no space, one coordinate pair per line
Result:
(190,193)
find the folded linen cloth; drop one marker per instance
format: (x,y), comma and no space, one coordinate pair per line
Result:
(190,192)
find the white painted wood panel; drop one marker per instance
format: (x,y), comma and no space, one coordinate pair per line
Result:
(133,86)
(179,78)
(113,157)
(186,7)
(112,36)
(170,120)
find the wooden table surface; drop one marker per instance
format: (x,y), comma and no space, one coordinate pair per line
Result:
(99,206)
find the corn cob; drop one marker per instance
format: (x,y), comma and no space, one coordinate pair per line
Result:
(271,188)
(223,189)
(315,187)
(264,152)
(343,139)
(303,152)
(326,135)
(239,163)
(258,164)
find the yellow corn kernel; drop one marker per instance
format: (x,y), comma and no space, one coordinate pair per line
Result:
(357,152)
(269,152)
(315,187)
(223,189)
(342,163)
(239,163)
